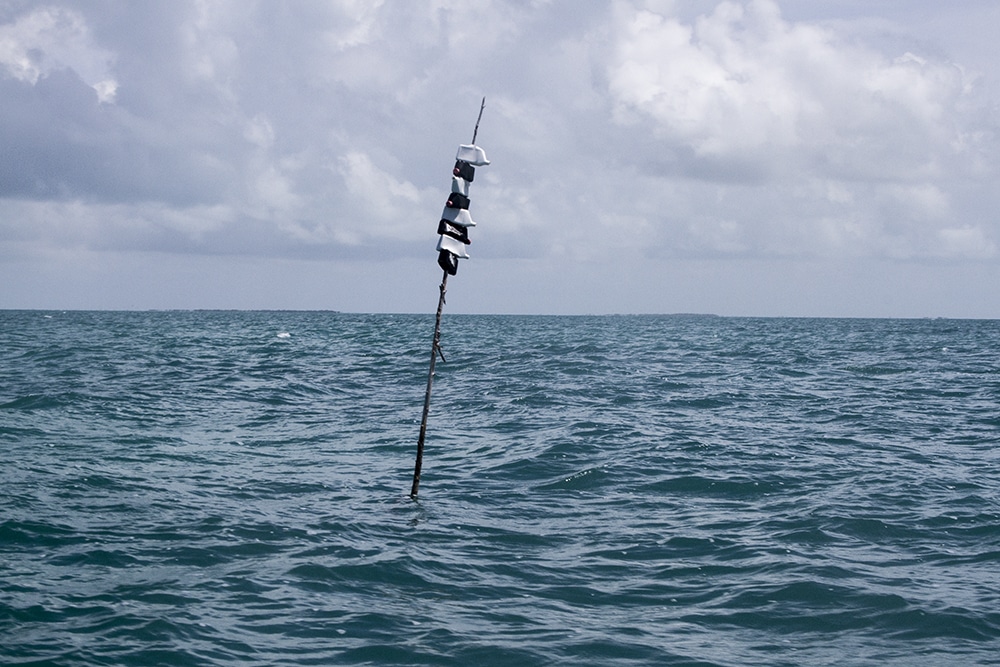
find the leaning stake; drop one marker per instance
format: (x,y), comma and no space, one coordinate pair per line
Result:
(453,229)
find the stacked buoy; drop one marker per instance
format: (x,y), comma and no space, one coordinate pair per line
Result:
(456,219)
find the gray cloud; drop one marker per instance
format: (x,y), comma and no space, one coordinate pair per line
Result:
(660,131)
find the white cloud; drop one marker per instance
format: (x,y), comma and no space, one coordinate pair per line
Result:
(53,38)
(816,124)
(383,205)
(359,23)
(966,243)
(742,83)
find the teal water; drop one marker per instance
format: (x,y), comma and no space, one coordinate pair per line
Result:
(229,488)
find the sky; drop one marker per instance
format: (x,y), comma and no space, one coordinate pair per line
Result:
(832,158)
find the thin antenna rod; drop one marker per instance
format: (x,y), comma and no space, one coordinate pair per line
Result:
(476,131)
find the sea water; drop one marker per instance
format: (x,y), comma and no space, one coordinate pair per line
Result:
(231,488)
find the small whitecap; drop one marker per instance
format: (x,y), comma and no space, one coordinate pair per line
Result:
(284,334)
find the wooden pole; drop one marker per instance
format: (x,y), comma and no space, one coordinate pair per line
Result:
(435,351)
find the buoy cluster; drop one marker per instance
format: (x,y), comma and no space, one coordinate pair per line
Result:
(456,219)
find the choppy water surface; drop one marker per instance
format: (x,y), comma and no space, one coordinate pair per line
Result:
(229,488)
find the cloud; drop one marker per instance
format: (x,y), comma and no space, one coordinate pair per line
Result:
(967,241)
(384,205)
(49,39)
(743,84)
(653,131)
(839,128)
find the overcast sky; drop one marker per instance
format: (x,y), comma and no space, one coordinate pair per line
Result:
(766,157)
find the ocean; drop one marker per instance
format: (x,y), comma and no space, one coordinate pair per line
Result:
(231,488)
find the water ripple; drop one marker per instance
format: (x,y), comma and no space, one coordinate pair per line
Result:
(229,489)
